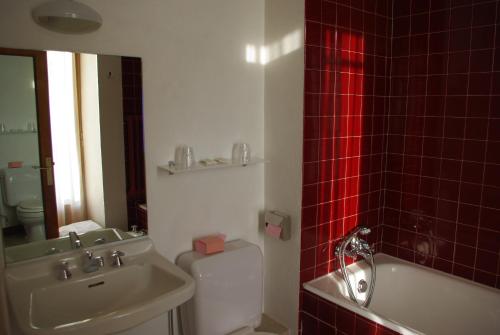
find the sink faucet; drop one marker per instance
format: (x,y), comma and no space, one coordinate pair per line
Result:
(64,272)
(116,256)
(91,263)
(74,240)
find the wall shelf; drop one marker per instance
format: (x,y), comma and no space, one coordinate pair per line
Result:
(199,167)
(18,131)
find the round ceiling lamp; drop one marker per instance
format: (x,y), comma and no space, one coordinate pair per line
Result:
(67,16)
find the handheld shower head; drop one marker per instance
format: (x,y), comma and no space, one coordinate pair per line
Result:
(364,230)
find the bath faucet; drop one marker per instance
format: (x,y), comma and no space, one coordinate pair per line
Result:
(74,240)
(352,245)
(91,263)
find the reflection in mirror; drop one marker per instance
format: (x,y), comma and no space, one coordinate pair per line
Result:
(71,150)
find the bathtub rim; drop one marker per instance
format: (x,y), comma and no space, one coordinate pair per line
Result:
(380,318)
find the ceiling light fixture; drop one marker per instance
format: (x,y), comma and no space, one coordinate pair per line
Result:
(67,16)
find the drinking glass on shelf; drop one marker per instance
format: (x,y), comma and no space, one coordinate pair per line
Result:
(184,157)
(241,153)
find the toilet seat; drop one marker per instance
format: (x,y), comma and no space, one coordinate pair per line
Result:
(30,212)
(30,206)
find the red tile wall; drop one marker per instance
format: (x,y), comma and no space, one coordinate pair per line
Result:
(402,134)
(321,317)
(442,197)
(133,131)
(346,96)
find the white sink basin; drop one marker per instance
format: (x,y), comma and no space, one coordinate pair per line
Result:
(36,249)
(106,301)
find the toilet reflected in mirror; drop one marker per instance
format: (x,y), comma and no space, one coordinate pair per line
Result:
(22,200)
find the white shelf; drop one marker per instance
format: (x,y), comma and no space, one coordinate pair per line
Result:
(199,167)
(18,131)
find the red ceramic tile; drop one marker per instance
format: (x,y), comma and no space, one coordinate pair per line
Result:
(486,261)
(466,235)
(313,33)
(488,240)
(308,238)
(309,302)
(326,329)
(463,271)
(326,312)
(307,258)
(313,10)
(485,278)
(309,324)
(365,326)
(464,255)
(345,320)
(490,219)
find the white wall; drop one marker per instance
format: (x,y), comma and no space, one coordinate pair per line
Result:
(112,141)
(91,136)
(17,108)
(199,90)
(283,142)
(4,313)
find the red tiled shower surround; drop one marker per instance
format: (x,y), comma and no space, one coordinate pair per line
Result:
(402,134)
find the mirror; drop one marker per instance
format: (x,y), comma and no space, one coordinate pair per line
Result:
(71,150)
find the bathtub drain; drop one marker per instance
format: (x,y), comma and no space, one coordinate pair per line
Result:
(362,286)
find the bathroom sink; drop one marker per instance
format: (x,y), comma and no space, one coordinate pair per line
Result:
(102,302)
(47,247)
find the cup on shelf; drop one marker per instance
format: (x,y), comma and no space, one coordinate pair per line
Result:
(184,157)
(241,153)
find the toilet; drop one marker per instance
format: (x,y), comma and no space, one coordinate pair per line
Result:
(228,295)
(21,189)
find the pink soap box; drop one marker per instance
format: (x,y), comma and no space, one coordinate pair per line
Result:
(15,165)
(209,244)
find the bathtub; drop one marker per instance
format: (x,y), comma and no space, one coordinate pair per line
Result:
(412,299)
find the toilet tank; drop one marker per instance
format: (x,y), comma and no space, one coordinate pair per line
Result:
(228,293)
(21,184)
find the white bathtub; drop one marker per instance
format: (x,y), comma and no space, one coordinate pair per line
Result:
(412,299)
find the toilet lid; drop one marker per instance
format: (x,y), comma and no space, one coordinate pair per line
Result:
(30,206)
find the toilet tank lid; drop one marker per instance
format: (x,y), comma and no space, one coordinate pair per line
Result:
(17,171)
(186,259)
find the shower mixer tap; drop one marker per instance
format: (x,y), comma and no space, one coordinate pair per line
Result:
(353,246)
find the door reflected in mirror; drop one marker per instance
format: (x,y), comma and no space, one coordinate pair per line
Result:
(71,147)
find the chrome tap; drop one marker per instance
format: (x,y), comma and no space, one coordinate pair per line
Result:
(116,256)
(352,246)
(91,263)
(74,240)
(64,273)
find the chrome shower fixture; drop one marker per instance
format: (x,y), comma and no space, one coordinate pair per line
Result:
(353,246)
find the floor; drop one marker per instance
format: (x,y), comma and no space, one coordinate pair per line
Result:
(13,236)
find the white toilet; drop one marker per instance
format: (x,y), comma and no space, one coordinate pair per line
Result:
(228,296)
(22,190)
